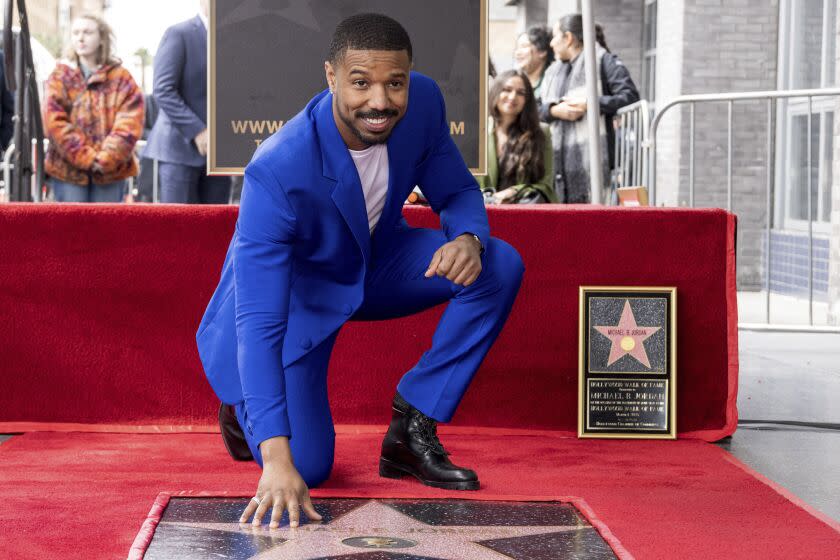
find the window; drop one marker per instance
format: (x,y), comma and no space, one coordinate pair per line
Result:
(806,61)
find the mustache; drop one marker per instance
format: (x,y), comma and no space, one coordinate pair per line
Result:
(377,114)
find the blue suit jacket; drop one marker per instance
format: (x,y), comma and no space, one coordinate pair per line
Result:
(295,268)
(180,90)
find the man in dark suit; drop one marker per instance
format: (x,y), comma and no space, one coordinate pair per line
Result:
(321,240)
(7,109)
(179,137)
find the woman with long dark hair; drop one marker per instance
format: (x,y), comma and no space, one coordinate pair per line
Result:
(519,162)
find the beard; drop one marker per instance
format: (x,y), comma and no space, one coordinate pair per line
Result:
(362,135)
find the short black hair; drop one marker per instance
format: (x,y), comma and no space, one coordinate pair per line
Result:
(540,36)
(374,32)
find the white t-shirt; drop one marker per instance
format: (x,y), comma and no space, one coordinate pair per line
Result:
(372,165)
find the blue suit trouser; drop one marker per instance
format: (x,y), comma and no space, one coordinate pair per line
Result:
(395,287)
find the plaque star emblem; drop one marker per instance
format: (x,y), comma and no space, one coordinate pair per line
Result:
(627,337)
(297,11)
(378,526)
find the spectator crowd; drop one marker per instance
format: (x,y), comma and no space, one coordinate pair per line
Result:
(95,114)
(530,163)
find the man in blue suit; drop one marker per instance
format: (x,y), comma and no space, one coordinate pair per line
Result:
(321,240)
(178,139)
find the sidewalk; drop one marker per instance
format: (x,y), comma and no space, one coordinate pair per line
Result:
(784,309)
(791,377)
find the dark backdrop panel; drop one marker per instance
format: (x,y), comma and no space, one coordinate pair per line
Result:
(269,61)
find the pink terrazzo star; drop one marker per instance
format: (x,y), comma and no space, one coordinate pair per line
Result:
(627,337)
(382,527)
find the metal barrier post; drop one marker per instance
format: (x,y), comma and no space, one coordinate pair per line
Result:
(634,149)
(652,155)
(637,150)
(630,159)
(155,196)
(593,112)
(7,171)
(810,226)
(729,157)
(772,97)
(771,103)
(691,156)
(620,140)
(34,187)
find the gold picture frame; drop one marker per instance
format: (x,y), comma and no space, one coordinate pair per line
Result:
(212,126)
(631,366)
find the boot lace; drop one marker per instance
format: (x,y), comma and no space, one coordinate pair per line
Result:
(428,431)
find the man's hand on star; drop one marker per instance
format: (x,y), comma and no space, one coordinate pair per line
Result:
(458,261)
(280,488)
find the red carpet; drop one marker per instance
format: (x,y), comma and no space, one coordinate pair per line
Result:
(86,495)
(99,306)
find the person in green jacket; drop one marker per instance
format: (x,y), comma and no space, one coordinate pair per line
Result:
(519,152)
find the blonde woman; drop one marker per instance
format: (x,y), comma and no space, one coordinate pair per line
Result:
(93,115)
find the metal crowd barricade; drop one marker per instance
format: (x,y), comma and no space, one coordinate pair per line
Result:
(630,154)
(730,98)
(8,167)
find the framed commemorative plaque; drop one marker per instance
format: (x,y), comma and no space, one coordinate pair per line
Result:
(627,362)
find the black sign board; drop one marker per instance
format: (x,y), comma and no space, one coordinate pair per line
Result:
(627,383)
(266,61)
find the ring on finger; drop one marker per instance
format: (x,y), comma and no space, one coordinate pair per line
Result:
(258,500)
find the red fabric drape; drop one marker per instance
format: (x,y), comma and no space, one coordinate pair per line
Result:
(100,304)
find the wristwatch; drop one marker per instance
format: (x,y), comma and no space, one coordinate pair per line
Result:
(480,244)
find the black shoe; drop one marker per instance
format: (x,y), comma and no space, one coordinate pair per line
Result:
(411,446)
(232,434)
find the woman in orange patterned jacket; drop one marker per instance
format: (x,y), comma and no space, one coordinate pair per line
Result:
(93,111)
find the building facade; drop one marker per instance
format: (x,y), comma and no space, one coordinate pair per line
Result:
(682,47)
(49,20)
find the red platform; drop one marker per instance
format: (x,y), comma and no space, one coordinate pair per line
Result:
(99,306)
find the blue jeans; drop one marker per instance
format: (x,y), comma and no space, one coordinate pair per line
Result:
(184,184)
(70,192)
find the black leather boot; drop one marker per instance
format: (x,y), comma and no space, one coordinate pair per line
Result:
(232,434)
(411,446)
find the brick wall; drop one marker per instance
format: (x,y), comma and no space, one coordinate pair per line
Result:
(728,47)
(622,22)
(43,17)
(712,46)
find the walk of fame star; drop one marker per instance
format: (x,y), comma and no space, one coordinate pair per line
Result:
(375,525)
(627,337)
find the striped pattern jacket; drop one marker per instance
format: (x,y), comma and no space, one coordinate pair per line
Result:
(95,120)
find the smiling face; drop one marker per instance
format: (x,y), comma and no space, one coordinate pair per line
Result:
(370,94)
(85,36)
(527,57)
(512,98)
